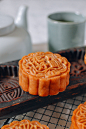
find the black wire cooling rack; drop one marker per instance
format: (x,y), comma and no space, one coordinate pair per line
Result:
(56,116)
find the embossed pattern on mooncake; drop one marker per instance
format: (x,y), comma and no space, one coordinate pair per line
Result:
(25,124)
(43,74)
(79,117)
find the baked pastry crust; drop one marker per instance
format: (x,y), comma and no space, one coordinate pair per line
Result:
(79,117)
(25,124)
(44,73)
(85,58)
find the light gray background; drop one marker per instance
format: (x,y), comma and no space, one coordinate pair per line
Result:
(37,15)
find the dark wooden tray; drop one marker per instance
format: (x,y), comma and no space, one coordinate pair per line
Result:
(14,101)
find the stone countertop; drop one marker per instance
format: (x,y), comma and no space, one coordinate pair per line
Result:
(37,15)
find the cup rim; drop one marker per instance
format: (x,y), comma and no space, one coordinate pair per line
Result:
(76,13)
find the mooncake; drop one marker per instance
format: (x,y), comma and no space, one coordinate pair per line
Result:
(43,73)
(85,58)
(25,124)
(78,120)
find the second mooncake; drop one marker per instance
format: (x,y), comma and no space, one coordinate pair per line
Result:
(43,73)
(79,117)
(85,58)
(25,124)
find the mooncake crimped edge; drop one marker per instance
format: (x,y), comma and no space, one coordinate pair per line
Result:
(43,86)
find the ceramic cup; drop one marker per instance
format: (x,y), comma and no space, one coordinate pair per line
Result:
(65,30)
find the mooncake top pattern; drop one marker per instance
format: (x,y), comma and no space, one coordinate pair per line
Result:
(44,65)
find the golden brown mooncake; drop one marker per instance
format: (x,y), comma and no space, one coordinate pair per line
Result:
(78,120)
(25,124)
(85,58)
(44,73)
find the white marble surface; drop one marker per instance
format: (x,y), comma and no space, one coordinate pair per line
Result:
(37,15)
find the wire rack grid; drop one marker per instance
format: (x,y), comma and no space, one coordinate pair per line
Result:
(56,116)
